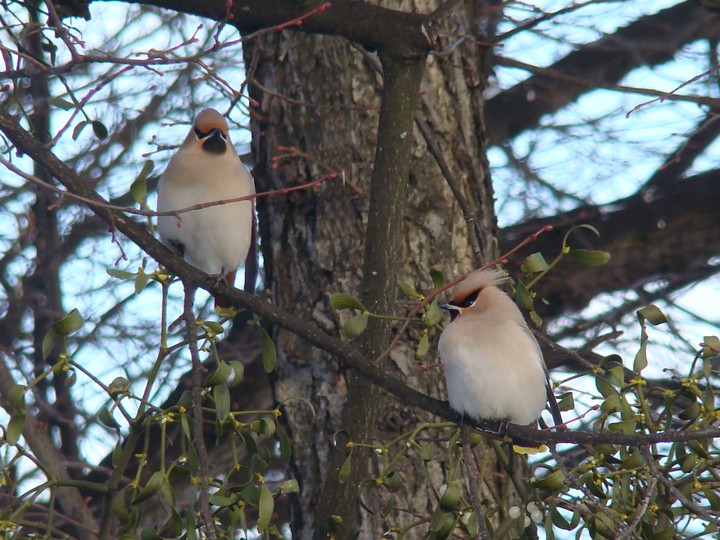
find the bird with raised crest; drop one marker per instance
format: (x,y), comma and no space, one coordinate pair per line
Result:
(205,169)
(494,368)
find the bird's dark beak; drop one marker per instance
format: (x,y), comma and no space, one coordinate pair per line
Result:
(452,308)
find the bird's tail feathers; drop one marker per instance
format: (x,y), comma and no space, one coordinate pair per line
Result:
(554,407)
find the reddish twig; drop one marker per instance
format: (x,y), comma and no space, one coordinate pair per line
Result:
(671,93)
(149,213)
(297,21)
(500,260)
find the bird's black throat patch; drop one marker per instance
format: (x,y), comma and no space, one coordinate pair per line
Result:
(215,142)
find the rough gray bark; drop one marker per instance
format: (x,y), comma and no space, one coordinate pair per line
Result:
(312,242)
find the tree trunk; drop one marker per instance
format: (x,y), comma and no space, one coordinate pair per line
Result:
(327,104)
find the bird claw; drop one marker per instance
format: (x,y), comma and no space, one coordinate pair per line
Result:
(498,427)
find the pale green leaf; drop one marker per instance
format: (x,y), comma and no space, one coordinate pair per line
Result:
(407,290)
(355,326)
(263,426)
(138,189)
(344,473)
(534,263)
(151,488)
(222,375)
(342,300)
(48,343)
(290,486)
(61,103)
(223,501)
(141,280)
(640,361)
(106,417)
(535,318)
(437,277)
(120,274)
(590,257)
(523,297)
(15,427)
(221,395)
(16,397)
(627,426)
(711,346)
(552,482)
(238,371)
(566,401)
(266,506)
(267,351)
(119,385)
(423,347)
(432,315)
(68,324)
(652,314)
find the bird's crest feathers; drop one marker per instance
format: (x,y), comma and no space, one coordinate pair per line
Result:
(209,119)
(476,281)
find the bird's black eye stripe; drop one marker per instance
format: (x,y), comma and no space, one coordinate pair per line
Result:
(469,300)
(199,133)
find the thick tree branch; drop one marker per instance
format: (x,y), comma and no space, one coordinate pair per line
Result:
(197,400)
(36,435)
(348,354)
(649,41)
(388,195)
(706,132)
(371,26)
(666,232)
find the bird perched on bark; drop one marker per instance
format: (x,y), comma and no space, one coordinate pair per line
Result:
(494,368)
(206,168)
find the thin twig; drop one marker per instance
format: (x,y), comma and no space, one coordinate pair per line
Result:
(149,213)
(572,480)
(671,93)
(197,397)
(666,481)
(272,314)
(561,76)
(473,482)
(454,184)
(628,530)
(428,299)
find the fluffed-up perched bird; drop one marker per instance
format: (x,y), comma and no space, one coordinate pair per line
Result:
(494,368)
(205,169)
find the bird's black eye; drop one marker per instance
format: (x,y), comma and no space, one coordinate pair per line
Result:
(199,133)
(469,300)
